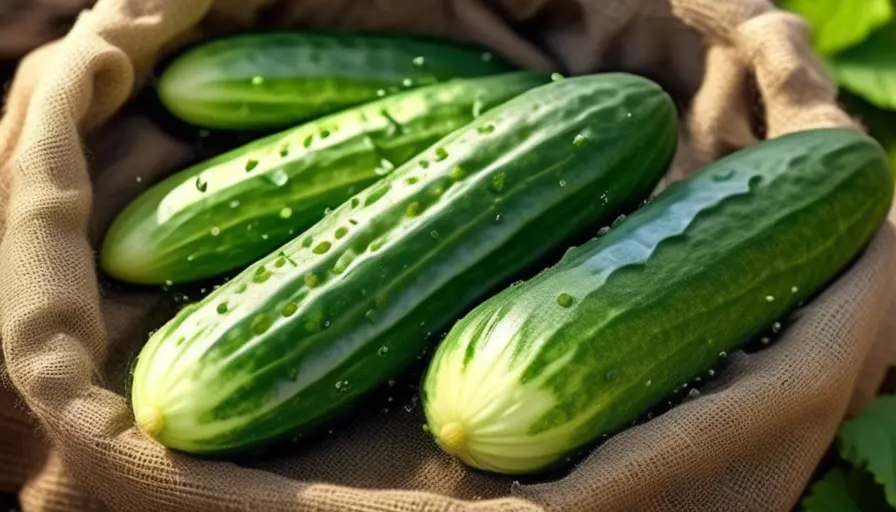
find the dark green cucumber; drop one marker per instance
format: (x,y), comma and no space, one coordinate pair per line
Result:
(227,212)
(274,79)
(303,333)
(593,343)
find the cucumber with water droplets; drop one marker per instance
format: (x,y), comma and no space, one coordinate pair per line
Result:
(543,369)
(305,332)
(229,211)
(274,79)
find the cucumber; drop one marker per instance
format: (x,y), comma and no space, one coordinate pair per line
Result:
(301,335)
(227,212)
(545,368)
(274,79)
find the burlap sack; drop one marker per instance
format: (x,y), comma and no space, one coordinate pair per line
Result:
(70,158)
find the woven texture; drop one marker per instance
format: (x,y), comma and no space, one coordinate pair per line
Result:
(73,151)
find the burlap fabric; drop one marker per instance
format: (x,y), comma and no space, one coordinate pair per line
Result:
(70,158)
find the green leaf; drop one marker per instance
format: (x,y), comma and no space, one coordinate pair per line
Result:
(869,441)
(845,490)
(869,69)
(841,24)
(830,494)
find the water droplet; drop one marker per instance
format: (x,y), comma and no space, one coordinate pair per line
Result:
(257,80)
(169,282)
(407,82)
(776,327)
(139,179)
(723,354)
(498,182)
(330,431)
(457,174)
(441,154)
(618,221)
(261,275)
(234,204)
(794,289)
(308,140)
(380,92)
(191,257)
(376,195)
(307,241)
(611,376)
(286,213)
(694,393)
(289,309)
(264,236)
(434,234)
(565,300)
(391,382)
(648,383)
(384,168)
(201,185)
(580,140)
(765,340)
(562,183)
(222,308)
(418,61)
(279,177)
(486,129)
(260,324)
(251,164)
(424,163)
(769,298)
(311,280)
(723,175)
(383,350)
(477,108)
(215,231)
(711,372)
(498,218)
(603,231)
(486,56)
(321,247)
(628,114)
(414,209)
(555,77)
(284,151)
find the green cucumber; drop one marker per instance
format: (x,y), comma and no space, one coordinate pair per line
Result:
(299,336)
(274,79)
(229,211)
(545,368)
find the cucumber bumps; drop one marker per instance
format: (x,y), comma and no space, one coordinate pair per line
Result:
(227,212)
(545,368)
(300,335)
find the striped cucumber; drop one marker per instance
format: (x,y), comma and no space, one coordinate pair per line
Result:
(305,332)
(274,79)
(229,211)
(547,367)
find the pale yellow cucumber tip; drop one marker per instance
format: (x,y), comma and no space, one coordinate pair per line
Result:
(453,437)
(150,420)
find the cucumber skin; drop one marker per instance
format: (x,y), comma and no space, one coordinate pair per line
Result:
(166,236)
(274,79)
(701,270)
(203,385)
